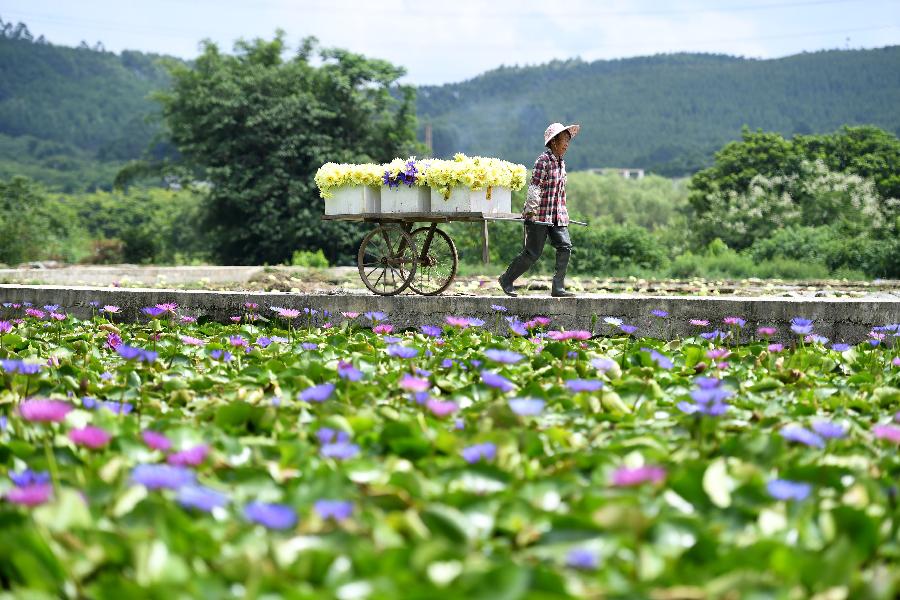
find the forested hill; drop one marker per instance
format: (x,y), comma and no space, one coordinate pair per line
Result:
(71,117)
(668,113)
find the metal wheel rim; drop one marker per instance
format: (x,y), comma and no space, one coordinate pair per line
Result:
(385,269)
(434,276)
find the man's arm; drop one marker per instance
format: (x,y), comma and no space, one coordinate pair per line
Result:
(533,196)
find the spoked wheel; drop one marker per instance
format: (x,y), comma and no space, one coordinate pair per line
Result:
(437,262)
(387,260)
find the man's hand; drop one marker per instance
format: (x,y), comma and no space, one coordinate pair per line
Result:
(528,215)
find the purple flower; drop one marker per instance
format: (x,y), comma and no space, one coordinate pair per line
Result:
(5,327)
(29,477)
(391,339)
(626,477)
(414,384)
(187,319)
(90,437)
(338,510)
(447,363)
(461,322)
(190,457)
(526,407)
(399,351)
(30,495)
(583,385)
(496,381)
(815,339)
(341,450)
(766,331)
(201,498)
(840,347)
(192,341)
(51,307)
(629,329)
(383,329)
(582,558)
(375,316)
(802,435)
(498,308)
(887,432)
(785,489)
(317,393)
(153,311)
(561,336)
(156,440)
(700,322)
(801,326)
(715,335)
(263,341)
(222,355)
(288,313)
(659,358)
(20,366)
(430,330)
(347,371)
(506,357)
(441,408)
(237,341)
(603,364)
(309,346)
(775,347)
(829,430)
(477,452)
(517,327)
(327,435)
(476,322)
(658,312)
(155,477)
(272,516)
(42,410)
(137,354)
(708,399)
(734,321)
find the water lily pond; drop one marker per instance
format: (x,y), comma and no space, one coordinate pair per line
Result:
(298,454)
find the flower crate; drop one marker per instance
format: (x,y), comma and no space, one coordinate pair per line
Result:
(354,200)
(463,199)
(405,199)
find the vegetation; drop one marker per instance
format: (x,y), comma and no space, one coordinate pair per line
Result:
(666,113)
(279,457)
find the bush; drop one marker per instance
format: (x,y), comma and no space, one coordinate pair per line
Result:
(602,250)
(305,258)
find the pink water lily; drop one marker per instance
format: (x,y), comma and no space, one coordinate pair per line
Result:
(43,410)
(90,437)
(626,477)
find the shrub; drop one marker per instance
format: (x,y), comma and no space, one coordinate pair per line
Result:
(305,258)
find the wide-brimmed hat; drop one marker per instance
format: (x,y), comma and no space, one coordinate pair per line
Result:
(557,128)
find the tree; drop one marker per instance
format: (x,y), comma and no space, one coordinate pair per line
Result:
(258,126)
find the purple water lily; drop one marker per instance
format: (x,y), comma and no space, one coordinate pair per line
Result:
(316,393)
(272,516)
(496,381)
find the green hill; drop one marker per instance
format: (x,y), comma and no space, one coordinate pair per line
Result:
(667,113)
(70,117)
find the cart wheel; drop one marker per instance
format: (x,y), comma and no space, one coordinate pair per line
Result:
(437,262)
(387,260)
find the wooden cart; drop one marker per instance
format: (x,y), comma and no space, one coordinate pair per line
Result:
(395,256)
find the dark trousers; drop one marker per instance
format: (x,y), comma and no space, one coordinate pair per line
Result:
(535,239)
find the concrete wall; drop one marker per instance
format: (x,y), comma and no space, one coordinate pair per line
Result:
(841,320)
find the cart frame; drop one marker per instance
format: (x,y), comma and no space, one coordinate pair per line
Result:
(424,259)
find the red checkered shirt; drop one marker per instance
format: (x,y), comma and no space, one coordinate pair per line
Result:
(547,193)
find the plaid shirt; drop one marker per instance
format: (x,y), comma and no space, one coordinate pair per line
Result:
(547,193)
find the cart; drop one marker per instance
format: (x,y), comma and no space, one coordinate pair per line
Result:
(394,256)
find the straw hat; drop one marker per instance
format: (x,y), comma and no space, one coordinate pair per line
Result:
(557,128)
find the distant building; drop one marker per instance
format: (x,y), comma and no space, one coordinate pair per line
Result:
(623,172)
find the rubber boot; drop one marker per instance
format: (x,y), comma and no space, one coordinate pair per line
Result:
(519,265)
(559,277)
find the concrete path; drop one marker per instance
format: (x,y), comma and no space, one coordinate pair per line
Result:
(839,319)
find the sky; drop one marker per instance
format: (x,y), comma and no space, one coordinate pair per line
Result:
(444,42)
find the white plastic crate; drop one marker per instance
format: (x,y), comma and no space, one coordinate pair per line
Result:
(463,199)
(405,199)
(354,200)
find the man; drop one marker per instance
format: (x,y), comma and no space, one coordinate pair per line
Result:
(546,202)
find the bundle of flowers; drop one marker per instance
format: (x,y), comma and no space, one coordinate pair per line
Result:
(407,172)
(475,172)
(331,176)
